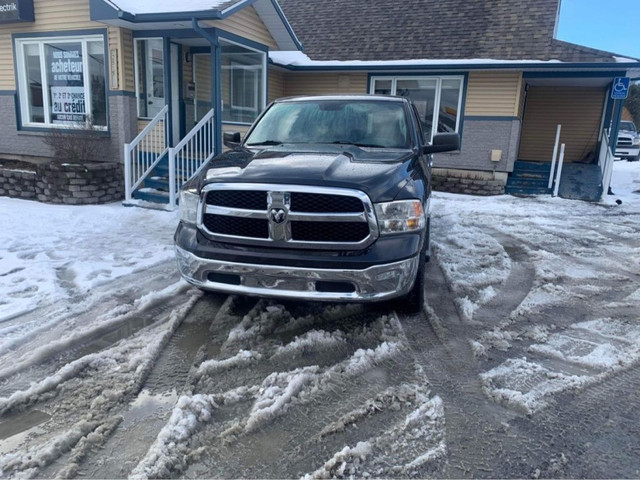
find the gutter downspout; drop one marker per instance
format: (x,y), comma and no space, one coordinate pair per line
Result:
(216,76)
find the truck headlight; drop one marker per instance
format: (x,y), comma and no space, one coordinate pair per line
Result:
(400,216)
(635,141)
(189,206)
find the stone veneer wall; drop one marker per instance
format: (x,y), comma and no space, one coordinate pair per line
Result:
(469,182)
(69,184)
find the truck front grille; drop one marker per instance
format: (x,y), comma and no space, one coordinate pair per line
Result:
(288,216)
(329,232)
(237,226)
(624,142)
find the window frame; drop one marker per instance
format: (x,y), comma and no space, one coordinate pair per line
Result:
(245,69)
(438,96)
(261,100)
(23,111)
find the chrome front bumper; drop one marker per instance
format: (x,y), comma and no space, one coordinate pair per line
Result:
(375,283)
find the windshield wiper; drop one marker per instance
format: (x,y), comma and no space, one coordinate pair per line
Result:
(266,142)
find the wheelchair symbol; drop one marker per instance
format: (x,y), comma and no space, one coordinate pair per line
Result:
(620,86)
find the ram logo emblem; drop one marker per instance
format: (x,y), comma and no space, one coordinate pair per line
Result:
(278,215)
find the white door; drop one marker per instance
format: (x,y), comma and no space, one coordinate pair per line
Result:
(155,77)
(175,92)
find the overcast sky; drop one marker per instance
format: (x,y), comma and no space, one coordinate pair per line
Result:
(603,24)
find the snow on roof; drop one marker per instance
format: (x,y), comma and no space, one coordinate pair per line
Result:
(138,7)
(299,59)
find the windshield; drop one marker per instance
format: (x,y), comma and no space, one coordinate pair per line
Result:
(629,126)
(365,123)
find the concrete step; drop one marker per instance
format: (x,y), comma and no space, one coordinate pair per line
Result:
(151,195)
(526,191)
(157,183)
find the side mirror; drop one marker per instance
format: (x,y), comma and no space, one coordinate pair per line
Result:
(443,142)
(231,139)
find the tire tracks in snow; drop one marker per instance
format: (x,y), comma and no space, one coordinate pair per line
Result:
(79,400)
(331,377)
(488,440)
(145,415)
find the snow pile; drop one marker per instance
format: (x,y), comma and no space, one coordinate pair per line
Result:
(621,350)
(170,450)
(277,393)
(243,358)
(525,385)
(399,451)
(472,261)
(312,341)
(343,464)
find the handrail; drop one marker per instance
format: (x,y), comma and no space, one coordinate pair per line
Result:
(554,156)
(606,164)
(192,153)
(150,126)
(559,172)
(145,151)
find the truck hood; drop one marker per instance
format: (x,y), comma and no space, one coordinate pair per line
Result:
(380,173)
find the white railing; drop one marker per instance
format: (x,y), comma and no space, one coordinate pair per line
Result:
(191,154)
(145,151)
(559,171)
(554,156)
(605,161)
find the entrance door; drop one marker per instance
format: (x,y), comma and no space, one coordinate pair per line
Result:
(155,87)
(202,79)
(175,92)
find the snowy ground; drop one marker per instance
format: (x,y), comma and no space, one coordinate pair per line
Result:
(111,366)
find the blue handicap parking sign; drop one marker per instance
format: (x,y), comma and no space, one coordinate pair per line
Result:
(620,88)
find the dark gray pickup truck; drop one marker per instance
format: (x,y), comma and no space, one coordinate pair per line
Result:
(326,198)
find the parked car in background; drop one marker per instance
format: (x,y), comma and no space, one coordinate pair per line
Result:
(628,146)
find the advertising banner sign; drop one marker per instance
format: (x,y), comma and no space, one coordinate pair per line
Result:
(66,80)
(12,11)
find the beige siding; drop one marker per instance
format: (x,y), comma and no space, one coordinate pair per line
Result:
(276,85)
(324,83)
(154,142)
(495,94)
(578,110)
(121,40)
(247,23)
(203,77)
(125,54)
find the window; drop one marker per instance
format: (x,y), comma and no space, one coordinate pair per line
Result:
(62,81)
(243,82)
(149,74)
(438,99)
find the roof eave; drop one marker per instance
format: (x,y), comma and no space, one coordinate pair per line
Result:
(462,66)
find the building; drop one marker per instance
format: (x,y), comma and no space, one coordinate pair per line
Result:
(491,71)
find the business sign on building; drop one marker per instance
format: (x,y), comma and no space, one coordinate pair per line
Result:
(12,11)
(66,81)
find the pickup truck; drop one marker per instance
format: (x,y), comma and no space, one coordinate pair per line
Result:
(325,199)
(628,145)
